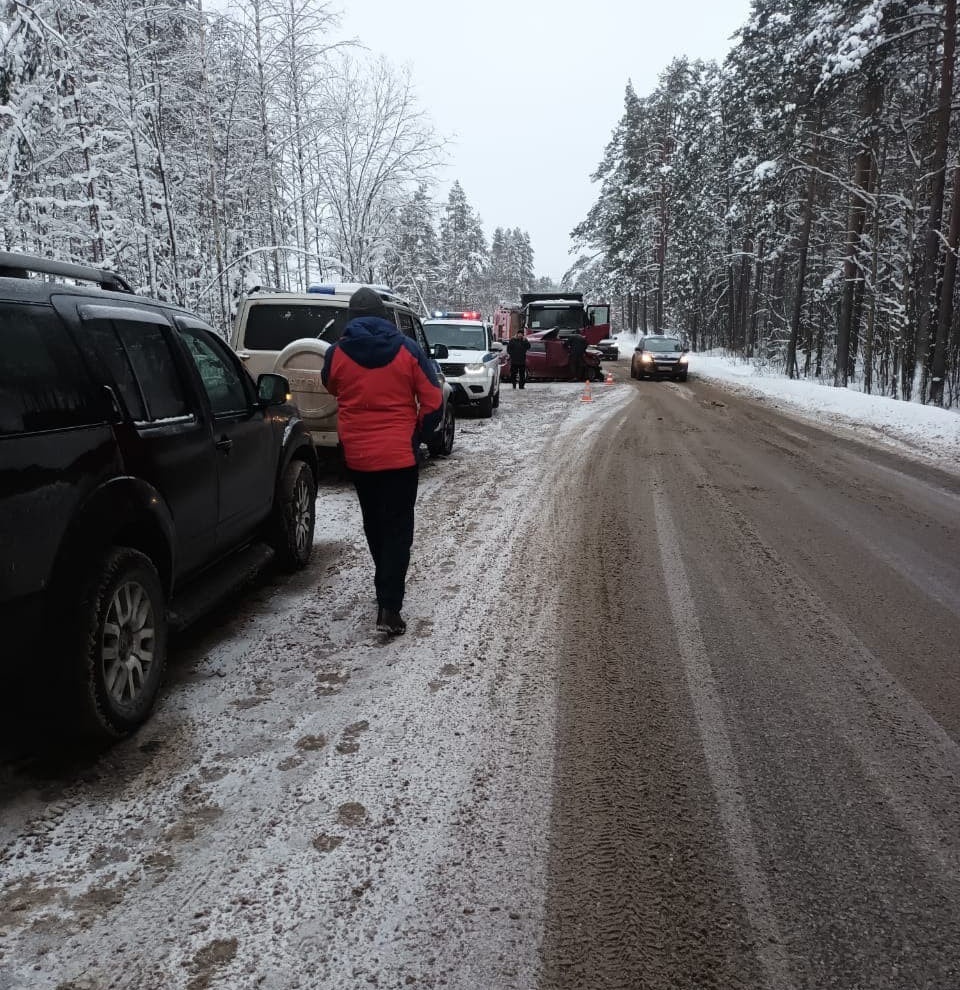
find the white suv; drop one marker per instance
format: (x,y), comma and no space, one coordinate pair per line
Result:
(473,361)
(294,330)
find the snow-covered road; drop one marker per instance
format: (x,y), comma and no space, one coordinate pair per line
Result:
(678,705)
(313,805)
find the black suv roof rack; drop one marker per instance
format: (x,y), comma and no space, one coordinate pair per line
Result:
(14,265)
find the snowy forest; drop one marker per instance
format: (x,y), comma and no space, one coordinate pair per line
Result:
(798,204)
(200,153)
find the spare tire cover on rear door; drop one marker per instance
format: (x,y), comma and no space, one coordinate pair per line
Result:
(301,362)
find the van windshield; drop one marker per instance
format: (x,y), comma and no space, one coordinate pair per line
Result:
(271,327)
(457,336)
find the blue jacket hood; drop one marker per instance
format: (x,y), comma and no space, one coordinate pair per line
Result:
(371,341)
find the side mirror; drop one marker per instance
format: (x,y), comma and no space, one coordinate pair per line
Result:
(439,351)
(273,390)
(497,346)
(637,350)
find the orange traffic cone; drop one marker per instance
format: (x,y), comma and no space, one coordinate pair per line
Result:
(587,396)
(609,379)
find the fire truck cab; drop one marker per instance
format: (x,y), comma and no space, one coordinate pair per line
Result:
(566,312)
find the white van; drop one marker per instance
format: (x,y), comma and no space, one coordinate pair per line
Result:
(289,333)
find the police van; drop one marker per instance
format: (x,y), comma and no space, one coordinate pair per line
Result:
(474,360)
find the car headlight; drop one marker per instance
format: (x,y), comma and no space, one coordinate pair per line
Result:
(474,369)
(683,359)
(646,358)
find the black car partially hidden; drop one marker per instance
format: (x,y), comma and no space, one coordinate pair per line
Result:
(140,465)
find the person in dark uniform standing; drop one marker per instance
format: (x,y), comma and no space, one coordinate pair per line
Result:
(388,395)
(517,349)
(577,346)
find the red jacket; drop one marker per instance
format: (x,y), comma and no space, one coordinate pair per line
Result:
(387,394)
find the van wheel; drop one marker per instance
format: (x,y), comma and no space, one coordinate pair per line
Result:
(442,445)
(120,627)
(496,398)
(485,405)
(294,516)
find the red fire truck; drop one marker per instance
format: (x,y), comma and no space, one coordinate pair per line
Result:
(507,320)
(546,310)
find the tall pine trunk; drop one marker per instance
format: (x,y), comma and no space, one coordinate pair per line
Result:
(803,246)
(213,192)
(937,170)
(938,367)
(755,304)
(876,240)
(265,149)
(860,196)
(139,171)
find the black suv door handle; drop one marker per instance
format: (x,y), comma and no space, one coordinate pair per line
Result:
(224,444)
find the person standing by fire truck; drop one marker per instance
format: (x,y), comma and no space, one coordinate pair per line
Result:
(517,349)
(577,346)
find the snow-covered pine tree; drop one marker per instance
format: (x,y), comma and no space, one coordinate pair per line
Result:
(795,204)
(414,262)
(463,251)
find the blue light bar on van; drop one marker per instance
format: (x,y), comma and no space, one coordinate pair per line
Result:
(326,290)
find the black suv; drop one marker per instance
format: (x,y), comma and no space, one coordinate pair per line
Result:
(135,454)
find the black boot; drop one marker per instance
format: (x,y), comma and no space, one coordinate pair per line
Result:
(390,622)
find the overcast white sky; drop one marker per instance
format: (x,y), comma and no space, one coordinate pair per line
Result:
(530,90)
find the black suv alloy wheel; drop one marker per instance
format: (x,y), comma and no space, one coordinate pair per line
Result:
(294,516)
(120,622)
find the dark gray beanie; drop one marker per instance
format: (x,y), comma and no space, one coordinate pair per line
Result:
(366,302)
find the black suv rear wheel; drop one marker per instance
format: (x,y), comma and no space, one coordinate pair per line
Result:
(294,516)
(119,639)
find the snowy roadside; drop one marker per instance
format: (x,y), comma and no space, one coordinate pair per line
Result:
(925,433)
(313,805)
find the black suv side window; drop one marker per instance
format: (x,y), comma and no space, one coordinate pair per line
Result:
(222,381)
(153,363)
(43,382)
(108,348)
(141,361)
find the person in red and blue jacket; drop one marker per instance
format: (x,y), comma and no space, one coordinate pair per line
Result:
(387,395)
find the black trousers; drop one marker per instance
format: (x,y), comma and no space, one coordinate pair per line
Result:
(387,500)
(577,368)
(518,371)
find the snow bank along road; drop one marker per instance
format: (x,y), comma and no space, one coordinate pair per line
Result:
(679,707)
